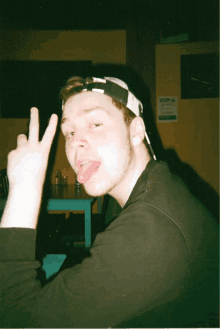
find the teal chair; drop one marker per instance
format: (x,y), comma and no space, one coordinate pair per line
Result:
(52,264)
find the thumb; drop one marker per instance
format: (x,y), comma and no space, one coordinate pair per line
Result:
(21,140)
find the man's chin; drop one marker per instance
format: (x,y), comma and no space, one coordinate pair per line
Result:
(94,189)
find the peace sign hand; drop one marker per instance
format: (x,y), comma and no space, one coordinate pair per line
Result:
(27,164)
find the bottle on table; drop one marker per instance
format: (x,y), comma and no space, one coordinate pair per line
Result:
(57,177)
(64,180)
(77,187)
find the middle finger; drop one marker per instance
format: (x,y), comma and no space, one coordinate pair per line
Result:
(34,126)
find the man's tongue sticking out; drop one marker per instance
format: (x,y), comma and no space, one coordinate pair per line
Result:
(87,170)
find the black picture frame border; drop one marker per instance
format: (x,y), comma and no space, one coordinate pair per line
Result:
(199,76)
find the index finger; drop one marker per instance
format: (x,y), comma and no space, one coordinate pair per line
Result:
(50,131)
(34,126)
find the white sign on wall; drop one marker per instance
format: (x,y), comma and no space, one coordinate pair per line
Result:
(167,109)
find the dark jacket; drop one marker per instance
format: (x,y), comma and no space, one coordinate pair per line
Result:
(155,265)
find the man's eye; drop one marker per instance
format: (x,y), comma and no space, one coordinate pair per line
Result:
(97,124)
(69,134)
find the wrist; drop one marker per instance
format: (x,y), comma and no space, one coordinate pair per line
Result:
(30,186)
(22,206)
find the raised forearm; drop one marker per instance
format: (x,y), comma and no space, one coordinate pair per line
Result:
(26,170)
(22,207)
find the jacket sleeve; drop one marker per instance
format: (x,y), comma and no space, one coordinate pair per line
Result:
(139,262)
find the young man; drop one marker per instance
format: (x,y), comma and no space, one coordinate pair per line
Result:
(156,265)
(118,157)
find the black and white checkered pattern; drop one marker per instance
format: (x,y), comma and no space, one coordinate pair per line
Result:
(116,89)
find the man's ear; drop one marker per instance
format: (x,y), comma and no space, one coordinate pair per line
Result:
(137,131)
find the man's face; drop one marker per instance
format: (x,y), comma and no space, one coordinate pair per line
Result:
(94,129)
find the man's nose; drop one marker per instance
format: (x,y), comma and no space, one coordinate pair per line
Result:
(79,139)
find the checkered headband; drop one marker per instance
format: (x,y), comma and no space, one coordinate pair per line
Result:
(118,90)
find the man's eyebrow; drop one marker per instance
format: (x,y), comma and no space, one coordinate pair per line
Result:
(64,120)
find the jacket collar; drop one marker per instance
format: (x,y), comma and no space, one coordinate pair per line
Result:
(141,184)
